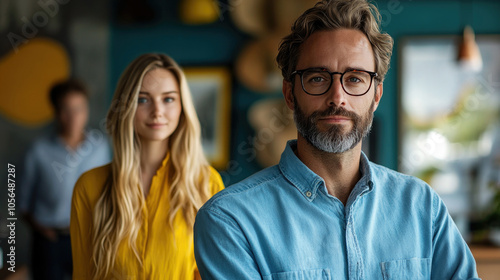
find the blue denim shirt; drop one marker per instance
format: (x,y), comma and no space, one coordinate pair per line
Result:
(281,223)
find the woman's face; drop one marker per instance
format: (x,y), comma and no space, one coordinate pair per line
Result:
(158,106)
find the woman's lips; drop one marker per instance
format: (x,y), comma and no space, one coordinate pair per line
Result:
(156,125)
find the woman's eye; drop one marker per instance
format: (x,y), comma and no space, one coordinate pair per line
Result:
(169,99)
(142,100)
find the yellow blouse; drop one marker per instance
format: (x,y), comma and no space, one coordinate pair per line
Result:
(162,256)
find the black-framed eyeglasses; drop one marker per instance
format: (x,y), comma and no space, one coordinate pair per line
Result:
(317,81)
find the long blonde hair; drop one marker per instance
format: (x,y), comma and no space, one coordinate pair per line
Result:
(118,212)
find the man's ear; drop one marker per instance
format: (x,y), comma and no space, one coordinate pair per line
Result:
(288,94)
(379,90)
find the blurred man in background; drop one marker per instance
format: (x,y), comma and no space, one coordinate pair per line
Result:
(52,166)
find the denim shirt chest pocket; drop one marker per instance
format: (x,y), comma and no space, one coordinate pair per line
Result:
(300,275)
(414,269)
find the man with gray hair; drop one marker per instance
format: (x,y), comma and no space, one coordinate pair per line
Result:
(325,211)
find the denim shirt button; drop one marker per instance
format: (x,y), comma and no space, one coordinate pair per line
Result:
(308,194)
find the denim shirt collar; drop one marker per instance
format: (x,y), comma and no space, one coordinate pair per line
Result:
(308,182)
(56,138)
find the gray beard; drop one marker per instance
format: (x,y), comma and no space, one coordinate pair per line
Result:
(333,140)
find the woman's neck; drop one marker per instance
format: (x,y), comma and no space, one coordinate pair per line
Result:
(152,155)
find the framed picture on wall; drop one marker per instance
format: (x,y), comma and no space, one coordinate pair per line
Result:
(211,91)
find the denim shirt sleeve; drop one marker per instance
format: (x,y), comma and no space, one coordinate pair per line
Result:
(452,258)
(221,249)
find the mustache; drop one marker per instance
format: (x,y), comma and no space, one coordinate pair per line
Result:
(334,111)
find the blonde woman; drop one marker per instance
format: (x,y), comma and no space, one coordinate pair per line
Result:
(133,218)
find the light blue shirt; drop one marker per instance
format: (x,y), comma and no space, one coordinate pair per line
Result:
(281,223)
(50,173)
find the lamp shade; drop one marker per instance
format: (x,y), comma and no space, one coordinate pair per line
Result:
(469,56)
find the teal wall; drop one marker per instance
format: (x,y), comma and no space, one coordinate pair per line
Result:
(219,43)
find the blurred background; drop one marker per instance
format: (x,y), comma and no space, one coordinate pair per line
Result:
(438,118)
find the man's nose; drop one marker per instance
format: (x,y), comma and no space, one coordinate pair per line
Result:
(336,94)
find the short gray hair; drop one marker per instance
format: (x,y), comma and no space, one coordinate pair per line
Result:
(331,15)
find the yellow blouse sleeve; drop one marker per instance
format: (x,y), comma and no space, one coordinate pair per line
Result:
(80,231)
(216,183)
